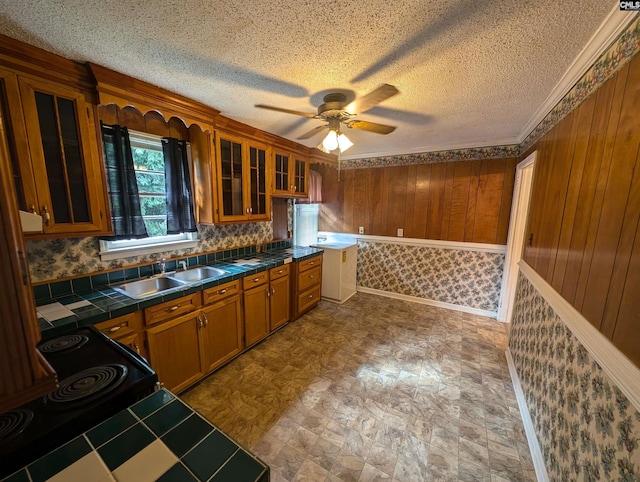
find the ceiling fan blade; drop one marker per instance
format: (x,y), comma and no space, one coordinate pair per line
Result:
(373,98)
(286,111)
(312,132)
(371,127)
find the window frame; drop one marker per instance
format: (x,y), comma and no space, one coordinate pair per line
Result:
(125,248)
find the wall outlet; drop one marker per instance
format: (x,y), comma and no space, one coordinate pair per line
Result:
(361,230)
(400,232)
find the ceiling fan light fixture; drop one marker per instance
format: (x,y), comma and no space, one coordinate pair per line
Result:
(330,142)
(344,142)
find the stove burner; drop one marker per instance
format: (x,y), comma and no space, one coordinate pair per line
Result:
(13,423)
(86,386)
(63,343)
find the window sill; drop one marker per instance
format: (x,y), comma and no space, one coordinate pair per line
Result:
(147,249)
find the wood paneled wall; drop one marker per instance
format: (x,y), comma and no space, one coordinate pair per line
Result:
(453,201)
(585,210)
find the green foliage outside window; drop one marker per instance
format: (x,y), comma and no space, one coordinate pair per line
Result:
(149,166)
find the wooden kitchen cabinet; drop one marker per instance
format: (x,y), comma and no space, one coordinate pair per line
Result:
(243,190)
(174,351)
(279,308)
(24,373)
(256,307)
(59,168)
(126,329)
(307,285)
(290,174)
(222,337)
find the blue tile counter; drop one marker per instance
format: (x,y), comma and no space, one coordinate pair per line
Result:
(158,438)
(90,299)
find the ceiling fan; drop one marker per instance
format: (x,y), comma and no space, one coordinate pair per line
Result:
(335,111)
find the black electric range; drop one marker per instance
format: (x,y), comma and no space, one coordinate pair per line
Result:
(97,378)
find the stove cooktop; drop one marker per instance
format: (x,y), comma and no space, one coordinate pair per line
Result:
(97,378)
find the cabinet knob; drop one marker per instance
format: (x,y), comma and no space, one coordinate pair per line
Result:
(255,280)
(221,292)
(310,296)
(173,308)
(310,276)
(44,212)
(279,271)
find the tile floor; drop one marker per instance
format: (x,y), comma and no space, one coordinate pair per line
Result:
(375,389)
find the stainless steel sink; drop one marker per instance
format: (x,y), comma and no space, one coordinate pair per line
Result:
(147,287)
(198,274)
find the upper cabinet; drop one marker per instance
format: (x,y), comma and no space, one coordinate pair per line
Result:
(290,174)
(59,172)
(241,168)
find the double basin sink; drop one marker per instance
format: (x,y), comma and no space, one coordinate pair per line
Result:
(144,288)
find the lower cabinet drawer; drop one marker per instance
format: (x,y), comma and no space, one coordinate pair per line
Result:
(253,280)
(121,326)
(218,293)
(171,309)
(308,298)
(309,278)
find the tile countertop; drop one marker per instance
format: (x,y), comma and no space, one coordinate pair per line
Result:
(87,307)
(158,438)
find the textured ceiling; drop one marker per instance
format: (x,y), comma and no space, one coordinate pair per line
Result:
(471,73)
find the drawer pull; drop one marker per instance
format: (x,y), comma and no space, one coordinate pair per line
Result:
(279,271)
(255,280)
(113,329)
(310,276)
(173,308)
(206,320)
(310,296)
(221,292)
(311,263)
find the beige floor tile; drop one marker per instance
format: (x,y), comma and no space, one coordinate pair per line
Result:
(374,389)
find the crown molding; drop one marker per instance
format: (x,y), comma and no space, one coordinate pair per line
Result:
(615,23)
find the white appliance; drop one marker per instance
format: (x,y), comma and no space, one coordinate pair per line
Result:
(338,270)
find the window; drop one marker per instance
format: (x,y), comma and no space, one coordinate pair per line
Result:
(148,161)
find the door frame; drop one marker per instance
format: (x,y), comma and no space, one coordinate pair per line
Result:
(515,238)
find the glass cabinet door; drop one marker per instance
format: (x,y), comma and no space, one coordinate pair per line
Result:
(64,156)
(258,195)
(231,178)
(301,177)
(282,185)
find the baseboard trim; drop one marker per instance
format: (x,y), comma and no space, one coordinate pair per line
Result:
(624,374)
(532,439)
(424,301)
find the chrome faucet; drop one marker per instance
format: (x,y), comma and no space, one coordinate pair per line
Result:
(161,265)
(183,264)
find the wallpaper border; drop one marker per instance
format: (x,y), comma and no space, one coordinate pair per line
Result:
(614,363)
(425,301)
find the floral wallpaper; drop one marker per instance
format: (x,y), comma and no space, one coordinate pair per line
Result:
(617,56)
(587,429)
(465,278)
(60,258)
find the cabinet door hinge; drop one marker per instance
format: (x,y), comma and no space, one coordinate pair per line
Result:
(88,114)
